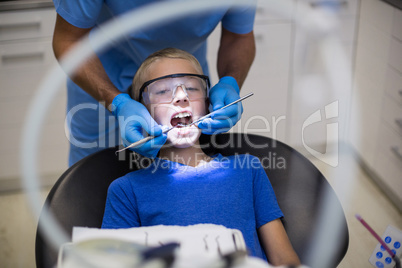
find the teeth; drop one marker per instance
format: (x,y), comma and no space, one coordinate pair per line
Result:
(181,115)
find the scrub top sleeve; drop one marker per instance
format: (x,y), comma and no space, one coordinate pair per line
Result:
(265,204)
(121,208)
(240,19)
(79,13)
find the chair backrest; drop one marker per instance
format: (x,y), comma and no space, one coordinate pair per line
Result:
(78,197)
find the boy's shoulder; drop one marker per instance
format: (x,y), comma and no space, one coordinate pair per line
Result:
(145,171)
(141,172)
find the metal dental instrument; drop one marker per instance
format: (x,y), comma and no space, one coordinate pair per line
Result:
(230,104)
(144,140)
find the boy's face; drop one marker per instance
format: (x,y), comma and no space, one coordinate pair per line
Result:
(180,109)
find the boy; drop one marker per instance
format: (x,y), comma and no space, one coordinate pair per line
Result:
(184,186)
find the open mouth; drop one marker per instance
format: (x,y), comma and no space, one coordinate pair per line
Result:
(181,119)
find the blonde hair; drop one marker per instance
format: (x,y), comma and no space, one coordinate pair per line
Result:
(171,53)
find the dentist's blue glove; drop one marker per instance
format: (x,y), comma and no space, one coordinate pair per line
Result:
(133,120)
(224,92)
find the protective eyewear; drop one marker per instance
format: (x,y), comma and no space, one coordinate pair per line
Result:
(163,89)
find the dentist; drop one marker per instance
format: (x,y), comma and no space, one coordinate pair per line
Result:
(105,78)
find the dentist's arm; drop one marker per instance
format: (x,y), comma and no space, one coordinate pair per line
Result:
(235,56)
(91,76)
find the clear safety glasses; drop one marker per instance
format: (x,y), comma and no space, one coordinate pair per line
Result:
(163,89)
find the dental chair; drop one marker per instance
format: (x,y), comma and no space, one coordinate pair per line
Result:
(78,197)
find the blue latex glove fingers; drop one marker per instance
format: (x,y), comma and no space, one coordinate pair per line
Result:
(151,148)
(223,93)
(133,132)
(233,112)
(210,126)
(134,122)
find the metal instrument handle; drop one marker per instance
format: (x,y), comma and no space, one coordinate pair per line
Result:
(142,141)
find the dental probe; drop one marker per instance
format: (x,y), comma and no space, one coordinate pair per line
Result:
(144,140)
(210,114)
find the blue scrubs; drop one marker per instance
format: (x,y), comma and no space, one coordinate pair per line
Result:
(92,127)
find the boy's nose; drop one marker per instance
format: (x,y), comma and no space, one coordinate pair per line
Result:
(180,95)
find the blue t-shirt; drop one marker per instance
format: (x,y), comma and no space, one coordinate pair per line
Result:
(231,191)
